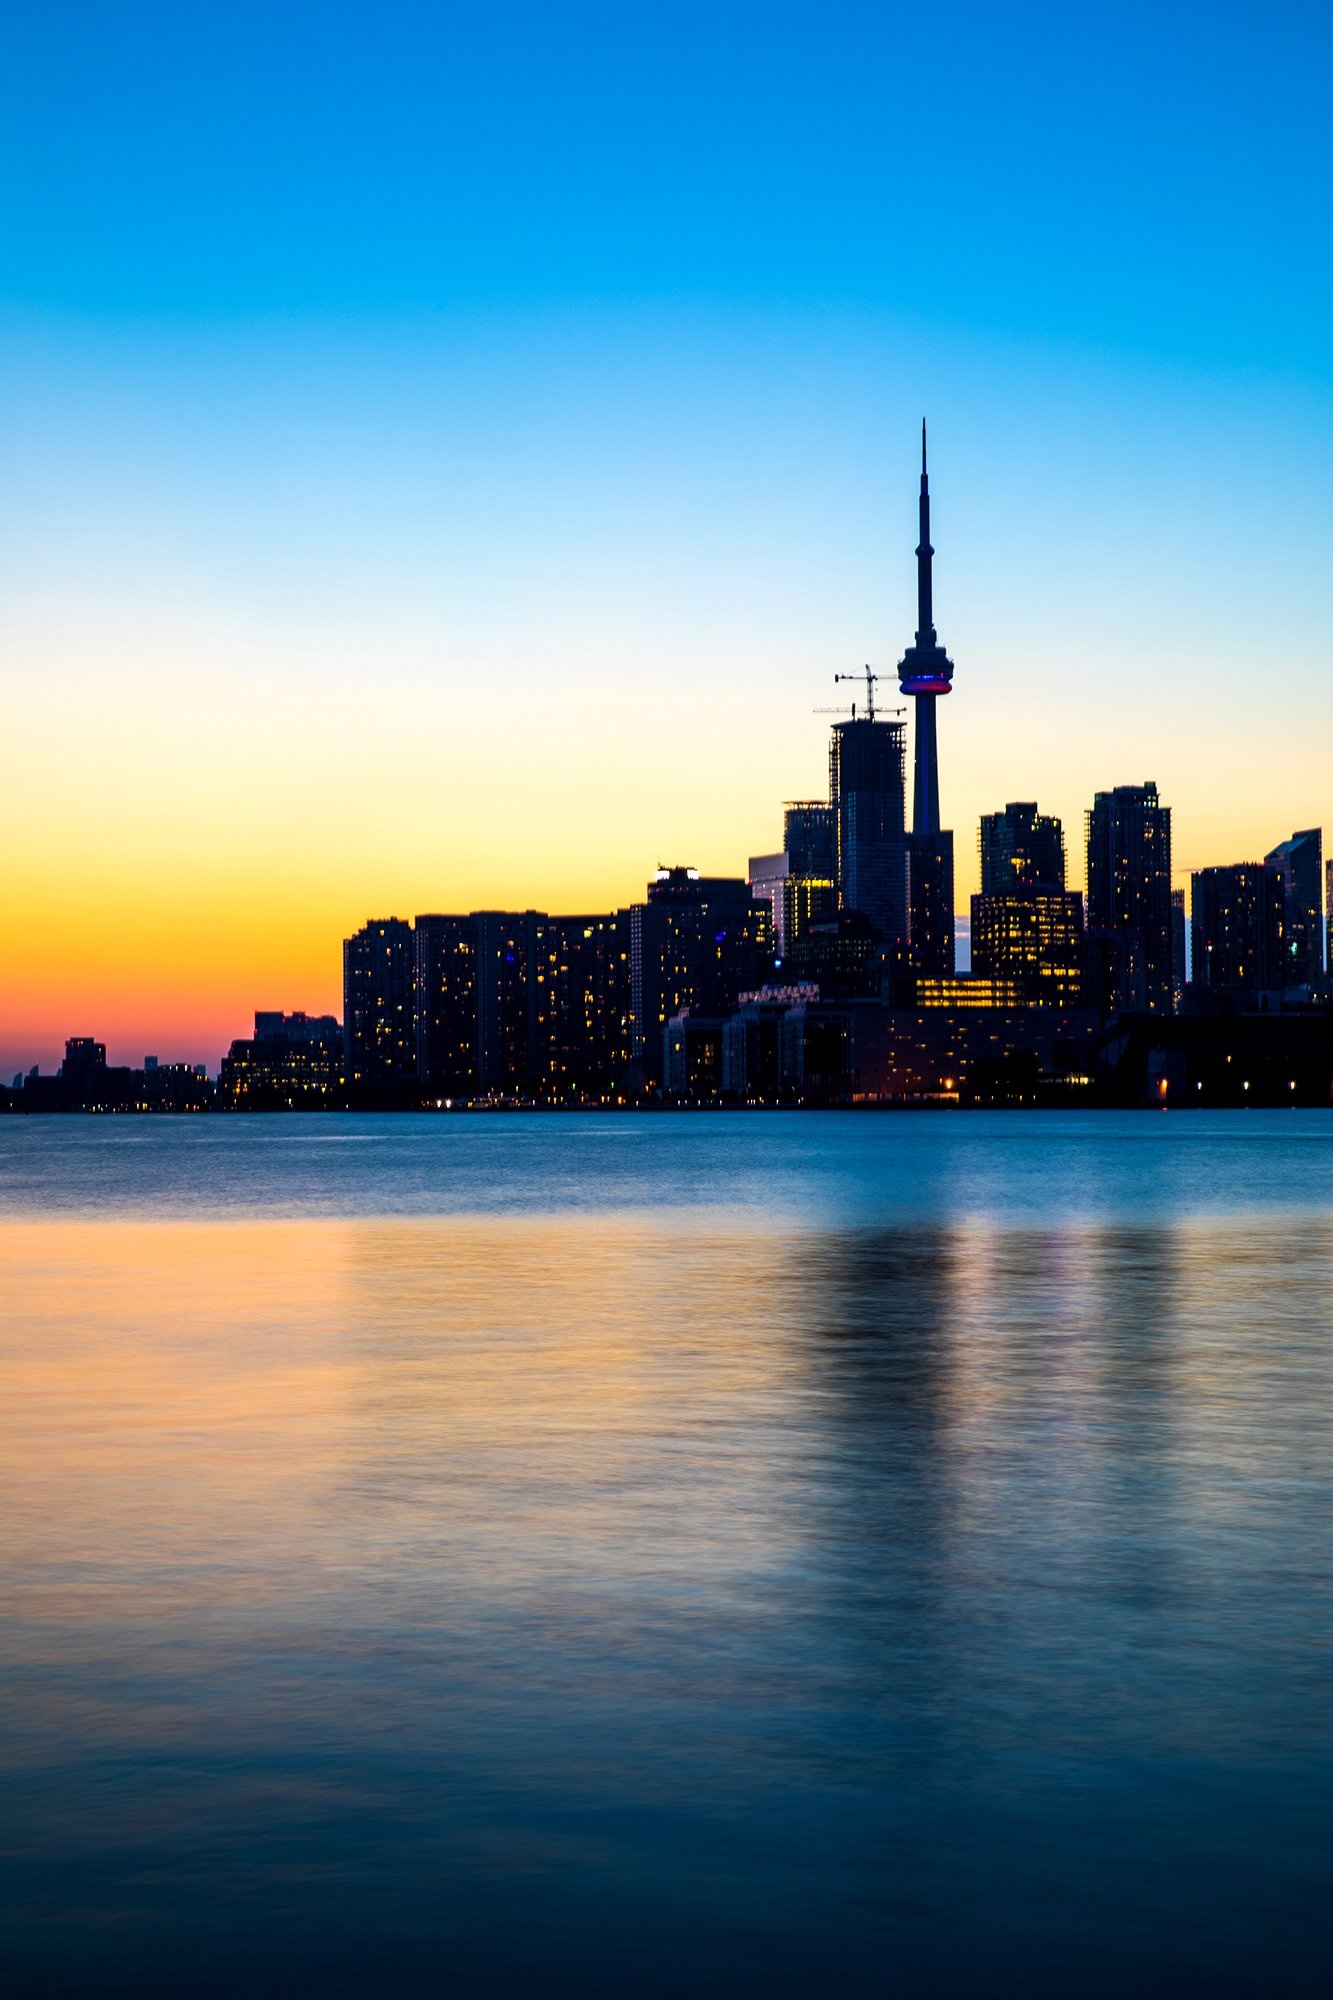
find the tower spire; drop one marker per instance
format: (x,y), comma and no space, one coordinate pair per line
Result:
(925,628)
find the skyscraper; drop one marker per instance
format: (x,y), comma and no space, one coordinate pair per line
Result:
(379,1016)
(867,760)
(1129,897)
(1300,863)
(925,672)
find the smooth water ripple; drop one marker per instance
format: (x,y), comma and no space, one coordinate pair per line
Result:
(716,1554)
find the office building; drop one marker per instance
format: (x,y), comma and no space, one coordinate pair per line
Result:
(925,672)
(379,1019)
(1129,899)
(1237,930)
(1300,865)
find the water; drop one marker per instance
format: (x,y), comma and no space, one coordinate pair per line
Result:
(720,1554)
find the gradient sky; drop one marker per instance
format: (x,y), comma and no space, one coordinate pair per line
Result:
(446,453)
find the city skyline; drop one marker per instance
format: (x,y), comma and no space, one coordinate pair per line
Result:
(504,477)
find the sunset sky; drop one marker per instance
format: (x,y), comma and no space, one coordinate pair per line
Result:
(445,454)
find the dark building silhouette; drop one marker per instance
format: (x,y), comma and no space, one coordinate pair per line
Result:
(1237,930)
(446,1005)
(1300,864)
(85,1081)
(925,672)
(867,760)
(293,1062)
(696,944)
(506,1001)
(1129,900)
(379,1013)
(1179,949)
(840,955)
(1021,848)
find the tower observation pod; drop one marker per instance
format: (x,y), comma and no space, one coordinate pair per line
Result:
(925,672)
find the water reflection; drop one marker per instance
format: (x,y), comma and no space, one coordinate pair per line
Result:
(634,1603)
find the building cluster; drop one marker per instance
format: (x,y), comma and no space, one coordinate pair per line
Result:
(828,974)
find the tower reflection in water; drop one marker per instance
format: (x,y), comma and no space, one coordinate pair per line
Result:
(639,1602)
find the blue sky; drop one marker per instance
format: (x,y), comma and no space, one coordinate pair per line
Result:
(481,434)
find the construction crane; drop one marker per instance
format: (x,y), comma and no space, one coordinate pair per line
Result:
(870,677)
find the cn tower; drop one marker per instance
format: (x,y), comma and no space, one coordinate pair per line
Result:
(926,672)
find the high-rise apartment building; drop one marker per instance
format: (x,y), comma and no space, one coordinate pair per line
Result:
(1021,848)
(446,1005)
(583,1000)
(1300,864)
(379,1015)
(1129,897)
(1237,925)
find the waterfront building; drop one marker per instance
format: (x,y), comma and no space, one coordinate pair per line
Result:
(446,1005)
(506,1001)
(293,1062)
(1300,865)
(1129,898)
(925,672)
(379,1018)
(582,1006)
(1237,917)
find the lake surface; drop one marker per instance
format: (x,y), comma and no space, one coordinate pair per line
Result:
(732,1553)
